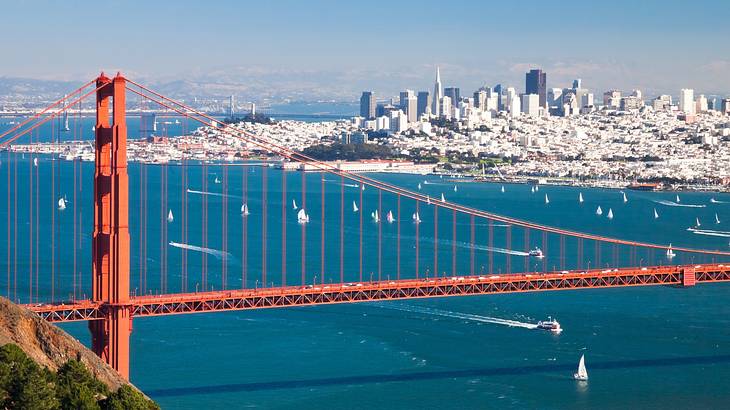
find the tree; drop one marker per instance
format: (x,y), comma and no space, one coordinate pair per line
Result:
(127,398)
(76,388)
(36,393)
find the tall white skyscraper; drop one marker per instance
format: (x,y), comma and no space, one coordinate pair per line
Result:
(687,101)
(531,104)
(409,104)
(437,94)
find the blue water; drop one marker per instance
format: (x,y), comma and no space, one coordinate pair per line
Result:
(661,347)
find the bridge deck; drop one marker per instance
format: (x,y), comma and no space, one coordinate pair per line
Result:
(217,301)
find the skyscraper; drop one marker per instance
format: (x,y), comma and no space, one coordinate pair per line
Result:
(232,106)
(687,101)
(367,105)
(536,83)
(454,94)
(437,94)
(408,105)
(423,103)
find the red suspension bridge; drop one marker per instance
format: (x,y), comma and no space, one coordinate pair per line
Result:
(343,256)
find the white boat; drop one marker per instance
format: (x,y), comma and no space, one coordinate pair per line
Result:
(582,373)
(625,199)
(717,220)
(537,253)
(362,186)
(61,204)
(294,204)
(532,189)
(389,217)
(428,199)
(610,214)
(455,188)
(537,188)
(244,209)
(656,214)
(302,217)
(375,216)
(502,189)
(580,197)
(416,218)
(713,200)
(551,325)
(35,162)
(217,181)
(677,198)
(354,207)
(442,198)
(547,200)
(419,186)
(599,211)
(697,222)
(170,218)
(670,252)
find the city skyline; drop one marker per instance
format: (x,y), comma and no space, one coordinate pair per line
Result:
(655,46)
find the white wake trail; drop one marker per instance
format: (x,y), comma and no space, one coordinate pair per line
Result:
(459,315)
(214,252)
(670,203)
(208,193)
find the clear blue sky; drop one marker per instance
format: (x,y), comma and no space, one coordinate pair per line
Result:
(667,44)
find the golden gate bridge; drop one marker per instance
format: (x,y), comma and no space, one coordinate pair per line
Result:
(452,262)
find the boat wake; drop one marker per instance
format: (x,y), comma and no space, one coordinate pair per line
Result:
(466,245)
(715,201)
(459,315)
(334,181)
(214,252)
(208,193)
(709,232)
(670,203)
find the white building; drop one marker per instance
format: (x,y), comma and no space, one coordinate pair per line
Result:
(701,104)
(398,121)
(445,107)
(687,101)
(531,104)
(409,104)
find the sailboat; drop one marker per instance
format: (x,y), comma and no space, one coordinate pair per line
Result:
(362,186)
(302,217)
(375,216)
(713,200)
(537,188)
(582,373)
(455,188)
(670,252)
(354,207)
(416,218)
(390,217)
(599,211)
(656,215)
(547,200)
(532,189)
(35,162)
(697,222)
(61,204)
(580,197)
(677,198)
(217,181)
(442,198)
(170,218)
(502,189)
(610,214)
(419,186)
(625,199)
(428,199)
(294,204)
(717,220)
(244,209)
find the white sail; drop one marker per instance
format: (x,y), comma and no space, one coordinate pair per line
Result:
(697,222)
(656,214)
(455,188)
(717,220)
(375,216)
(170,218)
(502,189)
(582,373)
(532,189)
(244,209)
(677,198)
(61,204)
(547,200)
(428,199)
(294,204)
(670,253)
(217,181)
(599,211)
(416,218)
(363,186)
(35,162)
(354,207)
(610,214)
(419,186)
(443,199)
(302,216)
(625,199)
(390,217)
(580,197)
(537,188)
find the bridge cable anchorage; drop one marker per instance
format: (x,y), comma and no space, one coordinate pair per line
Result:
(271,145)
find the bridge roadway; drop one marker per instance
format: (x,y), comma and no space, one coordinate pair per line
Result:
(319,294)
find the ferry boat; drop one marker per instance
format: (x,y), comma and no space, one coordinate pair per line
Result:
(537,253)
(551,325)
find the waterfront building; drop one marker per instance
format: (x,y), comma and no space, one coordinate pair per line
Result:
(531,104)
(367,105)
(687,101)
(437,94)
(423,103)
(408,104)
(536,83)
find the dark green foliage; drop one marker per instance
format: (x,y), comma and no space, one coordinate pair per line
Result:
(25,385)
(347,152)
